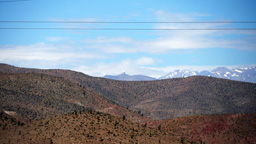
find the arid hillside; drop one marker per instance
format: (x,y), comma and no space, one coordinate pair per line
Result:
(164,99)
(97,127)
(37,96)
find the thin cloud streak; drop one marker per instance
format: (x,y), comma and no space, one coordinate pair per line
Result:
(43,52)
(177,40)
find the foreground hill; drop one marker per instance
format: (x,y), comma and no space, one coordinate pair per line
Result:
(38,96)
(96,127)
(88,127)
(164,99)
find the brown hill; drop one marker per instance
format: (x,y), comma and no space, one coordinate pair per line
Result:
(88,127)
(38,96)
(165,99)
(212,129)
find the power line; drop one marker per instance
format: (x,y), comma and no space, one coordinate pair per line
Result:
(132,29)
(127,22)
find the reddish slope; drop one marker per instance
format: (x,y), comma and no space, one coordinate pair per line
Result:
(212,129)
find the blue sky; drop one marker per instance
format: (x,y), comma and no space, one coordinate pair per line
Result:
(153,53)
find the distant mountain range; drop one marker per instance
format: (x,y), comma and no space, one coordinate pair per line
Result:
(239,74)
(126,77)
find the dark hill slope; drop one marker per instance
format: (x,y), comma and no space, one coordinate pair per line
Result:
(169,98)
(37,96)
(179,97)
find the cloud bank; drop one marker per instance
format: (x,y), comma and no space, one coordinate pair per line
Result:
(93,55)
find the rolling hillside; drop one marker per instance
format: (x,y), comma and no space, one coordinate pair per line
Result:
(164,99)
(62,106)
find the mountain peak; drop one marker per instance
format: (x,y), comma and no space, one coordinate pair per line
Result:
(123,73)
(125,77)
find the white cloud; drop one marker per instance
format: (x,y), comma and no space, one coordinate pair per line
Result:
(43,52)
(102,69)
(197,39)
(126,65)
(166,41)
(175,41)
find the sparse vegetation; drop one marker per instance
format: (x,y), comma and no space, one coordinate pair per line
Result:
(163,99)
(56,130)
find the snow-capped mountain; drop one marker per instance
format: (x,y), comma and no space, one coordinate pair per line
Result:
(179,73)
(239,74)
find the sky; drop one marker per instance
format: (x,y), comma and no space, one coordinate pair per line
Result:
(149,52)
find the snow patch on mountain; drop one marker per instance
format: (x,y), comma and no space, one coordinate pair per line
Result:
(238,71)
(234,75)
